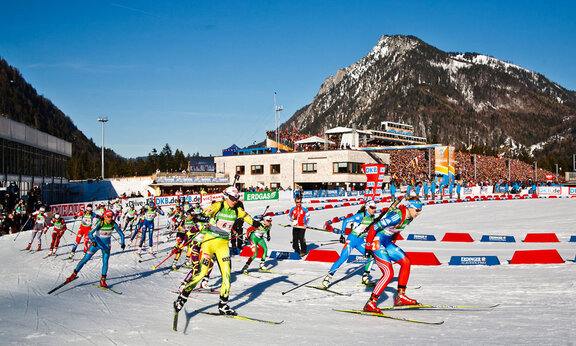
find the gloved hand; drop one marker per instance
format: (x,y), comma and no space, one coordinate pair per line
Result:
(368,253)
(342,239)
(268,237)
(200,218)
(122,246)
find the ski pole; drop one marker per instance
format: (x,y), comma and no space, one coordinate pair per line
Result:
(347,275)
(21,228)
(316,278)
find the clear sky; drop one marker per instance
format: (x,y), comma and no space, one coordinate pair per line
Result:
(201,75)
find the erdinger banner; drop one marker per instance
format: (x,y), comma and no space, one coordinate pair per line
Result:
(444,166)
(374,179)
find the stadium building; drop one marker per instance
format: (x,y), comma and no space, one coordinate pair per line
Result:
(31,158)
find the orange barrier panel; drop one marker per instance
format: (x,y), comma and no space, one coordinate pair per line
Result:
(536,257)
(458,237)
(541,238)
(323,256)
(423,258)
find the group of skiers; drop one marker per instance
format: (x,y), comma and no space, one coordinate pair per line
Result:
(207,234)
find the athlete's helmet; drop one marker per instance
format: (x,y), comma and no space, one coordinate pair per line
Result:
(89,207)
(414,203)
(151,204)
(56,216)
(42,209)
(232,193)
(108,213)
(371,204)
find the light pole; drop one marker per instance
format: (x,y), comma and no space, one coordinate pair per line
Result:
(536,172)
(556,171)
(102,120)
(277,110)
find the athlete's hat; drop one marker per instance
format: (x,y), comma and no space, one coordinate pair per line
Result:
(414,203)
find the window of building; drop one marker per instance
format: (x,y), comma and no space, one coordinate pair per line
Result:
(274,169)
(240,170)
(257,169)
(347,167)
(309,168)
(274,186)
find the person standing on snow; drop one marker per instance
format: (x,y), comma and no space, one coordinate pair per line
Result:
(299,216)
(39,224)
(59,228)
(86,220)
(379,244)
(221,216)
(101,236)
(148,225)
(256,238)
(355,240)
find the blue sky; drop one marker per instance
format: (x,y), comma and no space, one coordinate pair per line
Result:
(201,75)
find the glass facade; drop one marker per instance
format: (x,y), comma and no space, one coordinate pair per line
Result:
(22,159)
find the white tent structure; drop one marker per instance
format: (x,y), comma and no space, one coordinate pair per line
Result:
(313,140)
(350,137)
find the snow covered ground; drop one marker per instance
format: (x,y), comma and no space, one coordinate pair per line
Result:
(536,300)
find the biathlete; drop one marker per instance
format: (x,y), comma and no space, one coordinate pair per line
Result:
(221,217)
(38,228)
(379,244)
(355,240)
(148,215)
(130,218)
(86,221)
(101,236)
(184,234)
(256,239)
(59,228)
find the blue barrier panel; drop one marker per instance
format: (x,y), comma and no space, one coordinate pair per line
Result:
(498,238)
(572,239)
(474,260)
(353,258)
(285,255)
(423,237)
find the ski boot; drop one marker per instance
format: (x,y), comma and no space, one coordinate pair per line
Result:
(179,302)
(245,268)
(224,308)
(72,277)
(204,283)
(103,281)
(187,263)
(371,305)
(402,299)
(51,252)
(29,245)
(71,255)
(262,266)
(151,251)
(366,279)
(326,281)
(174,267)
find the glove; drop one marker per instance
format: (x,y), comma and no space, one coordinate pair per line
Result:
(200,218)
(122,246)
(256,224)
(268,237)
(342,239)
(368,253)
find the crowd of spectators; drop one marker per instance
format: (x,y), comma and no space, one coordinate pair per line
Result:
(413,165)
